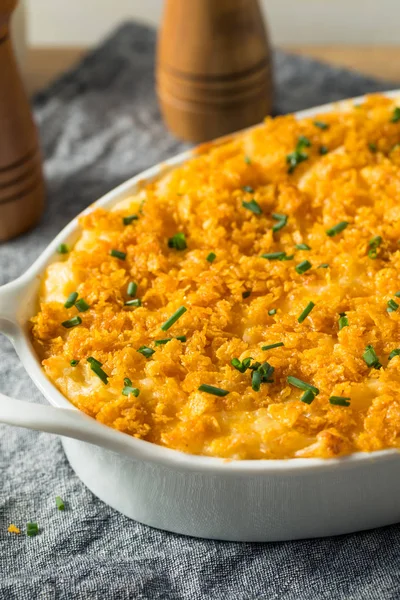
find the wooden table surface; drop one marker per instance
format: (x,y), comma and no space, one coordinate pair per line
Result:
(44,64)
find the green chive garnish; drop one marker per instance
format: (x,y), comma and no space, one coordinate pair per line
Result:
(210,389)
(253,206)
(343,321)
(323,150)
(128,220)
(70,301)
(211,257)
(303,141)
(281,221)
(308,397)
(256,379)
(60,503)
(82,305)
(95,365)
(395,352)
(274,255)
(241,365)
(337,228)
(63,249)
(298,156)
(128,390)
(246,294)
(392,306)
(321,125)
(302,267)
(373,147)
(162,342)
(272,311)
(247,160)
(396,115)
(371,358)
(132,289)
(306,312)
(261,374)
(397,294)
(373,245)
(302,247)
(136,302)
(248,188)
(146,351)
(178,241)
(127,381)
(71,322)
(32,529)
(118,254)
(173,319)
(74,363)
(323,266)
(302,385)
(339,401)
(270,346)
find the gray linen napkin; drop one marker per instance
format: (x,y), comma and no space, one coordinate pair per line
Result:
(99,125)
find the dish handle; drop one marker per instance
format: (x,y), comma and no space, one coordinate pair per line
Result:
(70,423)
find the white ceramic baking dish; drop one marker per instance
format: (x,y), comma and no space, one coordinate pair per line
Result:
(196,495)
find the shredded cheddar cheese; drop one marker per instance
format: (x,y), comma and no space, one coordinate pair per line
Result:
(282,245)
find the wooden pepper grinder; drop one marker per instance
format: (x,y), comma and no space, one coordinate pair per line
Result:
(213,67)
(21,180)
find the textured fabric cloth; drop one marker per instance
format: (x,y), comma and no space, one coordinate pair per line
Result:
(99,125)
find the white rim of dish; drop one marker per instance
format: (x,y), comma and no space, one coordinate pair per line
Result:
(148,451)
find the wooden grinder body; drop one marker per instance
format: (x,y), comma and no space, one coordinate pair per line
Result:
(213,67)
(21,180)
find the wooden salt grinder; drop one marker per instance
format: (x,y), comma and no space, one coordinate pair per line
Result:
(213,67)
(21,180)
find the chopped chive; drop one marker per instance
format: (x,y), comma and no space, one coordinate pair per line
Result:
(274,255)
(323,150)
(246,294)
(128,220)
(303,141)
(136,302)
(247,160)
(74,363)
(177,241)
(173,318)
(396,115)
(146,351)
(321,125)
(302,385)
(302,267)
(71,322)
(32,529)
(60,503)
(373,246)
(337,228)
(210,389)
(323,266)
(211,257)
(339,401)
(118,254)
(261,374)
(127,381)
(96,368)
(302,247)
(63,249)
(248,188)
(395,352)
(132,288)
(70,301)
(241,365)
(256,379)
(397,294)
(181,338)
(298,156)
(343,321)
(392,306)
(82,305)
(253,206)
(371,358)
(270,346)
(308,397)
(306,312)
(128,390)
(373,147)
(272,311)
(281,221)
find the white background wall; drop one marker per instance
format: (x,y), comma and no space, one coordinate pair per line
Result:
(84,22)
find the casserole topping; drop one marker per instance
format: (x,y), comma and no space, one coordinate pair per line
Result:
(245,305)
